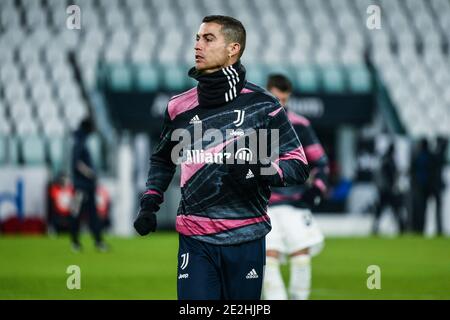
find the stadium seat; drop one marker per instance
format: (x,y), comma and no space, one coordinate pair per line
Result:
(33,150)
(26,127)
(68,39)
(20,109)
(14,91)
(256,74)
(141,55)
(94,40)
(28,54)
(9,18)
(307,79)
(114,54)
(120,77)
(60,71)
(40,35)
(53,127)
(5,127)
(359,79)
(91,20)
(139,18)
(3,111)
(6,56)
(280,68)
(3,150)
(56,151)
(41,92)
(68,91)
(47,110)
(13,149)
(147,78)
(34,73)
(74,112)
(174,77)
(333,79)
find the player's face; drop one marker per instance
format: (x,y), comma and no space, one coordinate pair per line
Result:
(211,53)
(281,95)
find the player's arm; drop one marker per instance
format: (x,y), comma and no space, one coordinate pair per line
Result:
(162,167)
(85,170)
(317,159)
(80,165)
(291,164)
(159,177)
(318,162)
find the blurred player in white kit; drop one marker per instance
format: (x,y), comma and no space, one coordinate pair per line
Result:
(294,232)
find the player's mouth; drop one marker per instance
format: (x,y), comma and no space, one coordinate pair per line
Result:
(199,58)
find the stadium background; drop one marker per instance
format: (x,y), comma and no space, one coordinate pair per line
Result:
(361,88)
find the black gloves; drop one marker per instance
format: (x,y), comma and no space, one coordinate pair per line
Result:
(146,218)
(145,222)
(312,197)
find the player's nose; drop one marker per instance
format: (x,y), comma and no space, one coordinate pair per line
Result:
(198,46)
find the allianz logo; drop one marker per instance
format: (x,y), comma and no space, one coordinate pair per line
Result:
(202,156)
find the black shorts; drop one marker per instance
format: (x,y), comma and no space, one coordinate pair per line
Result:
(215,272)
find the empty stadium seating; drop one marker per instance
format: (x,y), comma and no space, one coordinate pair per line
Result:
(147,45)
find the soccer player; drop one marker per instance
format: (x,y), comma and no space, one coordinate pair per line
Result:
(85,182)
(389,194)
(294,231)
(222,218)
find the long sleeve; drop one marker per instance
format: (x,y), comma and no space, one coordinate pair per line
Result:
(162,167)
(291,164)
(315,154)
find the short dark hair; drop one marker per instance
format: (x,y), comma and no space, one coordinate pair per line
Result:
(280,82)
(232,29)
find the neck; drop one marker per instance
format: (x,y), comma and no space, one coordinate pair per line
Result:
(219,85)
(230,62)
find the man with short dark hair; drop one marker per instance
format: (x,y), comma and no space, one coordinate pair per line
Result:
(222,218)
(294,231)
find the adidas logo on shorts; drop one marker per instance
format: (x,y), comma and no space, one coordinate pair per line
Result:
(252,275)
(195,120)
(249,176)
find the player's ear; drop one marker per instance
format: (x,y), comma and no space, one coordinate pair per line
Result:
(233,49)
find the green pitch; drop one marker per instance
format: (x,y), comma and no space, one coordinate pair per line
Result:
(145,268)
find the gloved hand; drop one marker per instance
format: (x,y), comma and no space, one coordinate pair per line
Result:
(146,219)
(312,197)
(145,222)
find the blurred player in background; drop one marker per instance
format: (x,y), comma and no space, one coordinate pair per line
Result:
(294,232)
(222,218)
(421,175)
(389,194)
(438,180)
(84,182)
